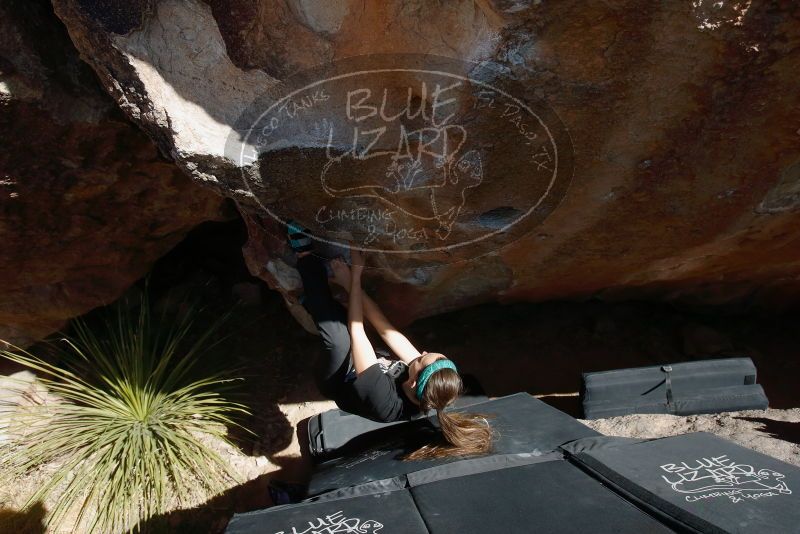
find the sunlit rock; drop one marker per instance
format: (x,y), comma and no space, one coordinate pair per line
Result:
(676,126)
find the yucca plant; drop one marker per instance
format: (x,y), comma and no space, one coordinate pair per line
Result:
(128,437)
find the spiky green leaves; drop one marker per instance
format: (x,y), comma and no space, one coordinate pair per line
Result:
(129,438)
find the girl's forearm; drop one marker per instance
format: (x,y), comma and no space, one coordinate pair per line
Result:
(363,353)
(396,341)
(355,310)
(370,311)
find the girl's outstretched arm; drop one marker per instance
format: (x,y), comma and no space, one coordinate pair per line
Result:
(396,341)
(399,343)
(363,353)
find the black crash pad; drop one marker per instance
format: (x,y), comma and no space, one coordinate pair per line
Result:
(335,432)
(523,424)
(703,483)
(385,512)
(547,496)
(706,386)
(552,496)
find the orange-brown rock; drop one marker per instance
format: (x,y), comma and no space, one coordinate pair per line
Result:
(86,202)
(683,122)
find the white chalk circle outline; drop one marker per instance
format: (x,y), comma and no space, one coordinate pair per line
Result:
(419,71)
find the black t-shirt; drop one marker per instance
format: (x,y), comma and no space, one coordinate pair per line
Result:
(380,393)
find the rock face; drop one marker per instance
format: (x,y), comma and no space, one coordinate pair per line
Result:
(616,149)
(87,202)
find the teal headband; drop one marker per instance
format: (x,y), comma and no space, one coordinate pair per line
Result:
(426,373)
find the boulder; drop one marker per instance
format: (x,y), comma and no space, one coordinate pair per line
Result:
(22,397)
(615,150)
(87,203)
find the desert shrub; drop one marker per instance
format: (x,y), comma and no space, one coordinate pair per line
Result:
(129,435)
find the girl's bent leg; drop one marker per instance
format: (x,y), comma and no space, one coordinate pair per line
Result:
(330,318)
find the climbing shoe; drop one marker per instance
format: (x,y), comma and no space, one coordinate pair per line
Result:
(298,237)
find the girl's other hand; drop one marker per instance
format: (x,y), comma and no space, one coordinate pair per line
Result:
(341,273)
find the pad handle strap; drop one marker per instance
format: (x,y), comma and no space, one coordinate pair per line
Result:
(668,383)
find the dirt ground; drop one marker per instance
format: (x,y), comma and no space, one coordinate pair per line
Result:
(541,349)
(773,432)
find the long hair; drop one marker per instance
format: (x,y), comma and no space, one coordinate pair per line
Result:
(462,434)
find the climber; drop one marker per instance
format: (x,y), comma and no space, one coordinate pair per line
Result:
(351,374)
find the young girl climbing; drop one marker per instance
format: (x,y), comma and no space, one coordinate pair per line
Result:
(351,374)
